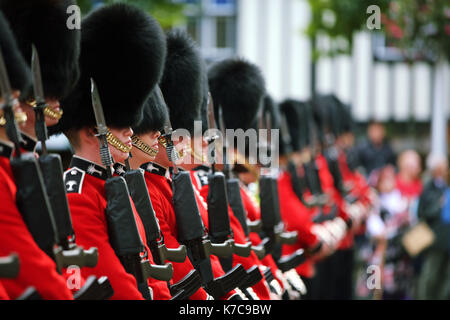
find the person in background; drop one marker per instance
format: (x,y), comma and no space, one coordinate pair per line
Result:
(397,266)
(434,278)
(375,152)
(408,179)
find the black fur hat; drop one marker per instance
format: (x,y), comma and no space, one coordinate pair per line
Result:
(183,80)
(44,24)
(154,115)
(123,49)
(327,117)
(306,122)
(238,87)
(341,113)
(18,71)
(290,110)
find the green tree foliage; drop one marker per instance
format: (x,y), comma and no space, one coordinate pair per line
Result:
(339,19)
(420,28)
(168,12)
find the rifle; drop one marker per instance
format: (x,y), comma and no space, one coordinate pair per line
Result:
(191,230)
(235,200)
(236,204)
(122,228)
(272,225)
(219,220)
(155,239)
(31,198)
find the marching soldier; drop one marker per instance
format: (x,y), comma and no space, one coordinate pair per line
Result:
(331,183)
(296,214)
(123,50)
(43,23)
(183,88)
(238,88)
(145,149)
(36,268)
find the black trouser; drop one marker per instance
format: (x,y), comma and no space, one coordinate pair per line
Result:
(344,274)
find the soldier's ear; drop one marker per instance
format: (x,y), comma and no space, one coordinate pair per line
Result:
(87,136)
(91,132)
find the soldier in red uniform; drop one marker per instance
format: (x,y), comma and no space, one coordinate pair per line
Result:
(239,105)
(44,24)
(145,148)
(184,72)
(123,50)
(36,268)
(326,116)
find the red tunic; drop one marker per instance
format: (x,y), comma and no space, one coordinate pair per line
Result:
(327,183)
(360,188)
(87,201)
(254,214)
(36,268)
(168,225)
(238,234)
(159,179)
(3,293)
(296,217)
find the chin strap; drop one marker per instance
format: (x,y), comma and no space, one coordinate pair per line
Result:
(48,111)
(141,145)
(21,118)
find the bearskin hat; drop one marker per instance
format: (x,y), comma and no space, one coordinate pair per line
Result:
(327,115)
(18,71)
(123,49)
(238,87)
(291,111)
(154,115)
(44,24)
(183,80)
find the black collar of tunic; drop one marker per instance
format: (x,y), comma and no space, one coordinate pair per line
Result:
(89,167)
(6,150)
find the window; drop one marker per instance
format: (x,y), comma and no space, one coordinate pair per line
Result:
(212,24)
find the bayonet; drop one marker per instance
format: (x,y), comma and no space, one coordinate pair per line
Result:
(213,132)
(222,128)
(102,129)
(172,153)
(38,89)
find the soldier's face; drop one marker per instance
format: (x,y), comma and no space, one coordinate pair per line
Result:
(55,106)
(124,135)
(151,139)
(31,119)
(16,108)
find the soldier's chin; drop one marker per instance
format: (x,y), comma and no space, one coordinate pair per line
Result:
(120,156)
(117,155)
(50,121)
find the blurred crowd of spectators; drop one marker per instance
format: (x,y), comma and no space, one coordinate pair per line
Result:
(408,232)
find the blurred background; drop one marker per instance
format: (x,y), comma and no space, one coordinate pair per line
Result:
(396,73)
(388,60)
